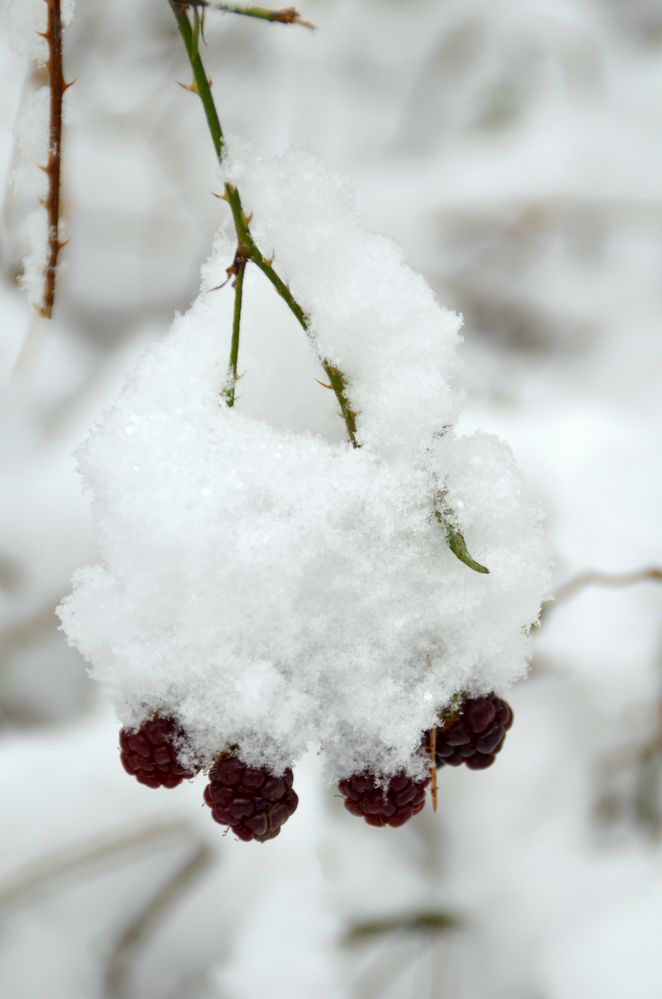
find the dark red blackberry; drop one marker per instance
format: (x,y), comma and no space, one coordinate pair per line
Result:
(150,753)
(477,735)
(250,800)
(392,805)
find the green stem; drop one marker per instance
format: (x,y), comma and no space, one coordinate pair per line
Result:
(200,77)
(249,249)
(233,377)
(286,15)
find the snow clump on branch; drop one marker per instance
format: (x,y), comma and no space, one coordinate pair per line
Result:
(274,588)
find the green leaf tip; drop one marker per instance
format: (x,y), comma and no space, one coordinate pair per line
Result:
(458,546)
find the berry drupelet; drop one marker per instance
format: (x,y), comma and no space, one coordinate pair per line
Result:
(250,800)
(150,753)
(476,736)
(389,805)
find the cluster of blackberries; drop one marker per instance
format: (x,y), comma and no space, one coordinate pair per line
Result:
(250,800)
(474,735)
(255,803)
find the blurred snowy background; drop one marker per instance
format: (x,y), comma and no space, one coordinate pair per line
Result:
(515,151)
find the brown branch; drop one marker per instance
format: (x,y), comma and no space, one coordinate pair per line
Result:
(53,170)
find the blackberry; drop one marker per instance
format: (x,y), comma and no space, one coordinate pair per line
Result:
(250,800)
(477,735)
(392,805)
(150,753)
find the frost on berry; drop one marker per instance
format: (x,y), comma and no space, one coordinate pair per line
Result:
(272,587)
(250,800)
(151,753)
(390,804)
(477,735)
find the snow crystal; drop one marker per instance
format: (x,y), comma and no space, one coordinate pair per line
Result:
(274,587)
(32,278)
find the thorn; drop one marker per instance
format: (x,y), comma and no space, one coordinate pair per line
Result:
(44,169)
(270,260)
(221,197)
(324,384)
(43,34)
(222,285)
(248,218)
(191,87)
(61,244)
(70,84)
(43,202)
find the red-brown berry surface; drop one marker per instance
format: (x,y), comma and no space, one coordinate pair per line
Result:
(250,800)
(150,753)
(392,804)
(477,735)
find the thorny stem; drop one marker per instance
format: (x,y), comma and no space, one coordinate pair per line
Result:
(241,221)
(201,81)
(286,15)
(53,170)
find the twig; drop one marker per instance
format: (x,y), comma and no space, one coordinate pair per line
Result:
(242,221)
(610,580)
(286,15)
(238,269)
(53,170)
(139,929)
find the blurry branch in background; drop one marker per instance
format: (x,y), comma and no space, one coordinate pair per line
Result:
(409,943)
(53,169)
(29,629)
(609,580)
(38,873)
(648,788)
(410,922)
(643,801)
(286,15)
(136,934)
(246,246)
